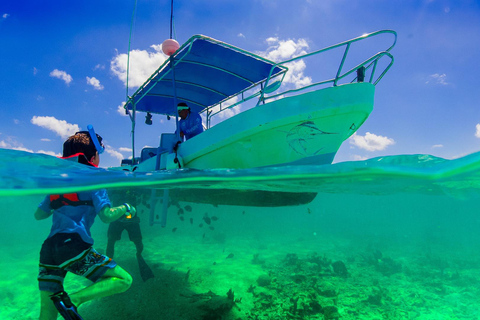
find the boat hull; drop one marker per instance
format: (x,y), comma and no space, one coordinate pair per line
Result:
(306,129)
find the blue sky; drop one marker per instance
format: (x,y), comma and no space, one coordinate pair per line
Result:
(62,66)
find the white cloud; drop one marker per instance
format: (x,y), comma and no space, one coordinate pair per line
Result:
(5,15)
(13,144)
(477,132)
(142,65)
(95,83)
(438,79)
(357,157)
(370,141)
(99,67)
(35,71)
(121,110)
(10,143)
(114,153)
(241,35)
(437,146)
(50,153)
(124,149)
(16,121)
(60,127)
(62,75)
(281,50)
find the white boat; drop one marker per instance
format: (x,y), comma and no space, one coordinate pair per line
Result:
(301,126)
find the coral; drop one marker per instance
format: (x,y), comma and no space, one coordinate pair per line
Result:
(257,260)
(330,313)
(215,307)
(340,269)
(264,280)
(387,266)
(291,259)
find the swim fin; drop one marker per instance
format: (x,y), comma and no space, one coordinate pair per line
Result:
(65,307)
(145,271)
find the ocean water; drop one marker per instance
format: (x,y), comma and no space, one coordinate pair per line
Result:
(386,238)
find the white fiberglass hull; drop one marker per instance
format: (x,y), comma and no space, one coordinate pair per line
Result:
(303,129)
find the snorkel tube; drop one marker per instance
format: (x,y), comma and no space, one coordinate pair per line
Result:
(94,138)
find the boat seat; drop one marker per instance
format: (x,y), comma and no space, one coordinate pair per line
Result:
(147,153)
(167,142)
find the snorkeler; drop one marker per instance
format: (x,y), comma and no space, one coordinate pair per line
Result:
(68,247)
(132,225)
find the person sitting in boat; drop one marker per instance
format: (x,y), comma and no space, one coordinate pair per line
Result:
(68,247)
(190,123)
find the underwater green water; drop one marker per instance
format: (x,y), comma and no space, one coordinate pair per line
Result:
(387,238)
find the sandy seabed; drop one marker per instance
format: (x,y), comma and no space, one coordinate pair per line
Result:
(275,270)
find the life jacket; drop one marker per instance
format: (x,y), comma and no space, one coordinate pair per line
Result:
(70,199)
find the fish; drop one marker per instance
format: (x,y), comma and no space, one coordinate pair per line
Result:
(182,218)
(188,208)
(309,211)
(211,228)
(230,256)
(180,211)
(214,218)
(207,219)
(191,220)
(174,229)
(200,225)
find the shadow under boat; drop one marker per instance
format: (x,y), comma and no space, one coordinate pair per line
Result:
(215,197)
(247,198)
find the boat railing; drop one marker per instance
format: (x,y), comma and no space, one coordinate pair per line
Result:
(268,89)
(369,64)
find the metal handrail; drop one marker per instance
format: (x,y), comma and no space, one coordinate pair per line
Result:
(369,64)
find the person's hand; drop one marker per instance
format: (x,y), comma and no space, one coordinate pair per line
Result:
(131,211)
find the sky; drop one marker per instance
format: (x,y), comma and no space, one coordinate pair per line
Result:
(63,66)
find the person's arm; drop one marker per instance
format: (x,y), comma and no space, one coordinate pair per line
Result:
(108,214)
(40,214)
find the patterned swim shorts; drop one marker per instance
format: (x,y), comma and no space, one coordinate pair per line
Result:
(67,252)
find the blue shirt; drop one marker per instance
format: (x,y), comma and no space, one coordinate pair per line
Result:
(79,219)
(191,126)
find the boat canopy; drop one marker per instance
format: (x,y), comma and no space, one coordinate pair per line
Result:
(206,72)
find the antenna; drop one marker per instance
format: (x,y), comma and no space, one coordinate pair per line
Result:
(171,20)
(129,43)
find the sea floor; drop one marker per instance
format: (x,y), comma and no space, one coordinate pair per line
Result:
(282,276)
